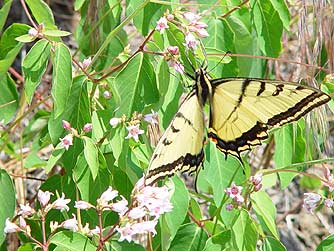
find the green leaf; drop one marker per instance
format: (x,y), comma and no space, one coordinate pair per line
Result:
(327,244)
(56,154)
(9,47)
(62,78)
(56,33)
(265,211)
(4,13)
(34,66)
(41,12)
(242,41)
(219,241)
(189,237)
(25,38)
(135,86)
(268,26)
(77,110)
(284,152)
(72,241)
(219,172)
(27,247)
(8,98)
(78,4)
(244,232)
(7,197)
(148,15)
(272,244)
(91,189)
(91,155)
(283,12)
(123,246)
(171,221)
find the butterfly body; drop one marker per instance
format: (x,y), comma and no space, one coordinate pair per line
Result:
(242,110)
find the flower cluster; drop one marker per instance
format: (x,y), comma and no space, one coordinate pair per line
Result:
(256,181)
(67,141)
(138,217)
(189,23)
(235,193)
(148,205)
(330,180)
(133,125)
(191,26)
(314,200)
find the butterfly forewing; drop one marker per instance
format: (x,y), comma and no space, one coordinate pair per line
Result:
(242,110)
(181,146)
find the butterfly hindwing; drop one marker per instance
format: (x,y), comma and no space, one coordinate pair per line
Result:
(242,110)
(181,146)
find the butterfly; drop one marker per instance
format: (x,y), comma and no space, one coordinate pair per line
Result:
(242,110)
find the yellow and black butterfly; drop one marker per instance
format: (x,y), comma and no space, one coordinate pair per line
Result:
(242,110)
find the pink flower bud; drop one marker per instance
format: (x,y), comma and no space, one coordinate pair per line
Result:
(66,125)
(43,197)
(33,32)
(10,227)
(229,207)
(84,205)
(106,95)
(170,17)
(87,127)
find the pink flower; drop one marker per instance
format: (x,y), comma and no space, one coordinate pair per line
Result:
(106,95)
(87,127)
(114,122)
(145,226)
(170,17)
(191,17)
(229,207)
(53,225)
(239,199)
(311,201)
(152,118)
(233,191)
(95,231)
(199,28)
(178,67)
(256,179)
(257,187)
(155,199)
(66,125)
(85,63)
(71,224)
(61,203)
(330,179)
(137,213)
(33,32)
(10,227)
(126,232)
(26,210)
(174,50)
(120,206)
(81,204)
(67,141)
(328,203)
(43,197)
(161,25)
(107,196)
(191,41)
(134,132)
(22,222)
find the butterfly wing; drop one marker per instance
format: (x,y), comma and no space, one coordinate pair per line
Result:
(242,110)
(181,146)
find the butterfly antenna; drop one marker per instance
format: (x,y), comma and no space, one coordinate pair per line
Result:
(204,64)
(225,54)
